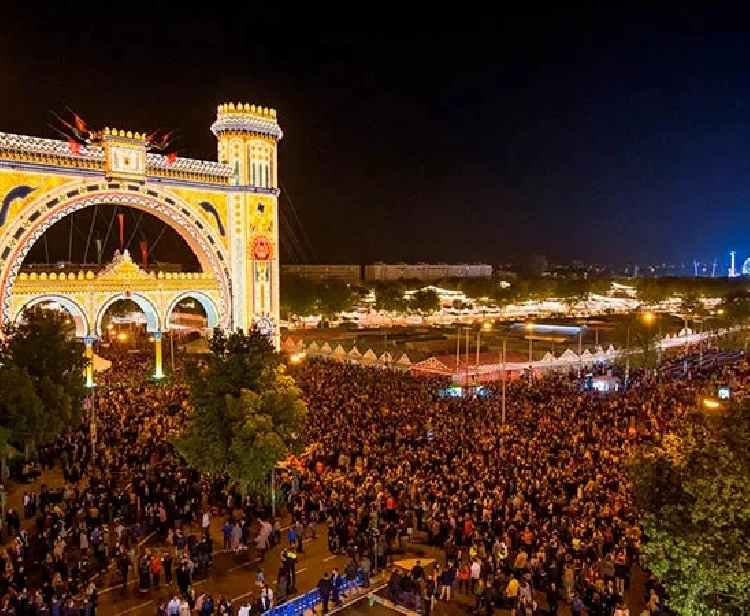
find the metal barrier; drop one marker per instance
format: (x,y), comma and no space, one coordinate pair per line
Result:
(298,606)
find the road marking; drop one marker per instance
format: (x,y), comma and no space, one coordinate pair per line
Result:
(133,609)
(325,560)
(140,543)
(104,591)
(242,596)
(247,564)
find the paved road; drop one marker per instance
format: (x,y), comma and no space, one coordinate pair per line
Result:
(232,575)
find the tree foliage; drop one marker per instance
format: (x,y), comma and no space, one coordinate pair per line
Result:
(425,301)
(246,412)
(691,492)
(336,297)
(390,297)
(299,296)
(38,358)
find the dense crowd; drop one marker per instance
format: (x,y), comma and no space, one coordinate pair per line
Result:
(540,505)
(125,490)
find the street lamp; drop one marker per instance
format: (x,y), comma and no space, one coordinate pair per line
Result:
(504,375)
(648,318)
(530,329)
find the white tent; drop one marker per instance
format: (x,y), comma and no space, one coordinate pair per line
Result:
(404,360)
(313,348)
(326,349)
(339,352)
(599,350)
(369,357)
(354,353)
(586,355)
(300,346)
(385,358)
(611,350)
(101,364)
(569,355)
(548,357)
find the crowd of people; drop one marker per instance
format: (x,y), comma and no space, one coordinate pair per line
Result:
(540,505)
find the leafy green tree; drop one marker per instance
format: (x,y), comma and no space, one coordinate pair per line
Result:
(246,412)
(40,348)
(652,291)
(237,361)
(479,288)
(21,411)
(425,301)
(336,297)
(390,297)
(299,296)
(690,490)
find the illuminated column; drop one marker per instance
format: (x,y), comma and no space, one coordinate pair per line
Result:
(159,372)
(247,138)
(89,355)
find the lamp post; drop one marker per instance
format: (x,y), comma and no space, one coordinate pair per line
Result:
(505,377)
(530,329)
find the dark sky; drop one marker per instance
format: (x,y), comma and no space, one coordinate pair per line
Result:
(608,137)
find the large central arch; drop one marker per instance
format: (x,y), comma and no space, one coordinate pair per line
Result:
(41,213)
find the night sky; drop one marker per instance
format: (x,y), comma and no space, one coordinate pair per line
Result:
(609,138)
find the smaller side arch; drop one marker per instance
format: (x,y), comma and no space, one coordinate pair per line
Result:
(153,323)
(74,309)
(212,313)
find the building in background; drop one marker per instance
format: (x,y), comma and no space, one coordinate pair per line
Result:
(346,273)
(425,271)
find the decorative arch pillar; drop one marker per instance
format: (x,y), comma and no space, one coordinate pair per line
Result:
(88,341)
(158,370)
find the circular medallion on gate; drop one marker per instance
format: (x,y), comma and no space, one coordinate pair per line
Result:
(261,249)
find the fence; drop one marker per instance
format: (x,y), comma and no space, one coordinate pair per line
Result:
(298,606)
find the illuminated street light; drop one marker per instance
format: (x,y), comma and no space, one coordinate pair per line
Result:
(530,329)
(296,358)
(122,336)
(711,404)
(487,326)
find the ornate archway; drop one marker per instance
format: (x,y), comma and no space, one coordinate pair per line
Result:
(153,322)
(226,211)
(41,213)
(73,308)
(212,316)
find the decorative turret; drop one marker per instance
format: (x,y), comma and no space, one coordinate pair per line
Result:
(246,118)
(247,136)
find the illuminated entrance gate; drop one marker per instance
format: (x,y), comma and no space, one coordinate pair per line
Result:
(226,211)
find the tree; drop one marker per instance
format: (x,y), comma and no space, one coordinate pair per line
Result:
(237,361)
(299,296)
(54,363)
(390,297)
(335,297)
(690,490)
(425,301)
(21,411)
(246,412)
